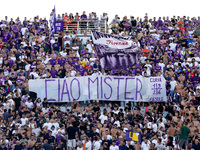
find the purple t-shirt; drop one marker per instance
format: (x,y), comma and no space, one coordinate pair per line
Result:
(11,62)
(82,71)
(6,36)
(126,27)
(62,62)
(32,66)
(53,62)
(58,138)
(83,16)
(169,52)
(53,73)
(157,68)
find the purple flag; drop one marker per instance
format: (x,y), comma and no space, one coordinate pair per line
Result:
(52,21)
(133,136)
(115,52)
(59,25)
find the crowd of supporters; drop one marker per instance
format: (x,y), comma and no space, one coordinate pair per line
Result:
(170,47)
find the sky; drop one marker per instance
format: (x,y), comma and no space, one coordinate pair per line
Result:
(157,8)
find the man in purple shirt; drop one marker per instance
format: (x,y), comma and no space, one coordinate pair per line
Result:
(83,23)
(157,67)
(58,138)
(6,36)
(127,25)
(53,72)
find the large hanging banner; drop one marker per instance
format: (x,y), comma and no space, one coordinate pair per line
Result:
(115,52)
(111,88)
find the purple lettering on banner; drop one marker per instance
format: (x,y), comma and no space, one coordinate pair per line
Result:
(101,88)
(126,93)
(138,91)
(97,86)
(67,91)
(109,86)
(58,90)
(47,80)
(118,86)
(79,89)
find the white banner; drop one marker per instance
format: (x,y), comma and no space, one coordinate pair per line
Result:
(112,88)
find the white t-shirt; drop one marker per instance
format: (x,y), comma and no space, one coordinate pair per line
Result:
(23,30)
(52,41)
(198,108)
(117,123)
(145,146)
(92,61)
(103,118)
(164,141)
(155,127)
(162,65)
(67,41)
(54,132)
(13,58)
(84,40)
(56,125)
(96,145)
(62,53)
(89,48)
(73,73)
(152,31)
(115,111)
(76,48)
(154,141)
(48,124)
(159,146)
(109,137)
(35,75)
(23,120)
(149,125)
(45,110)
(79,148)
(104,17)
(1,60)
(157,36)
(114,147)
(27,67)
(148,68)
(36,131)
(29,104)
(88,145)
(173,84)
(197,59)
(173,46)
(161,125)
(11,102)
(142,59)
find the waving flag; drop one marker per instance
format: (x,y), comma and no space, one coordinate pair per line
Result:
(133,136)
(52,21)
(115,52)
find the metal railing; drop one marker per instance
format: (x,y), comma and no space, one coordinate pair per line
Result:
(81,27)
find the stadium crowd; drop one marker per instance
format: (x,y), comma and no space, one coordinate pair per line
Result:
(170,47)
